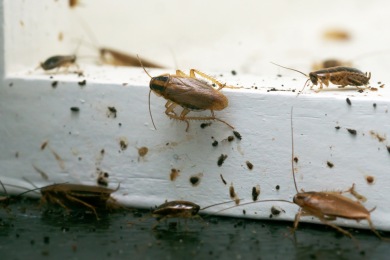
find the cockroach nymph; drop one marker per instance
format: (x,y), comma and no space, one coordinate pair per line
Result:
(58,61)
(189,92)
(341,76)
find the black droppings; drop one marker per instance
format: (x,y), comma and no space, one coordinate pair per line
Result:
(249,165)
(330,164)
(349,101)
(83,82)
(194,180)
(237,134)
(337,127)
(230,138)
(352,131)
(234,73)
(204,125)
(277,187)
(221,159)
(75,109)
(54,84)
(215,143)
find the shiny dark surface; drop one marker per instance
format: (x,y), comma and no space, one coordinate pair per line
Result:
(30,231)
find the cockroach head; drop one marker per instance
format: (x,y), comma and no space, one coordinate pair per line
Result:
(195,210)
(158,84)
(301,198)
(313,78)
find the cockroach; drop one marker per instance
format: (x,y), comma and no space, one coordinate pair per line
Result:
(179,209)
(119,58)
(70,196)
(326,206)
(189,92)
(342,76)
(112,56)
(58,61)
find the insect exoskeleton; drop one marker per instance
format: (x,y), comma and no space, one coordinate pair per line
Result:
(326,206)
(59,61)
(119,58)
(179,209)
(189,92)
(71,196)
(341,76)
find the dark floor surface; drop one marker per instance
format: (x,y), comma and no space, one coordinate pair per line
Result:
(28,231)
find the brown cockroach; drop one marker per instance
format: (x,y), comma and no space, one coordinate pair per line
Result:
(342,76)
(179,209)
(70,196)
(59,61)
(327,206)
(119,58)
(189,92)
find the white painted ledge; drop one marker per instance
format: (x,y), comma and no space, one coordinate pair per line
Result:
(32,112)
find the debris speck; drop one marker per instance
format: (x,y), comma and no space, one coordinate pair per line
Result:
(370,179)
(112,112)
(174,174)
(204,125)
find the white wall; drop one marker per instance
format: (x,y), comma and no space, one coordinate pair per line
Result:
(244,36)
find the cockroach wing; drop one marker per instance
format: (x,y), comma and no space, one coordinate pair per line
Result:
(194,94)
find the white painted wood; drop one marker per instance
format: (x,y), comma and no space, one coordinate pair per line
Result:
(32,111)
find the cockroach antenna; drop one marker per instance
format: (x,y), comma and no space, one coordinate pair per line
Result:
(150,91)
(295,71)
